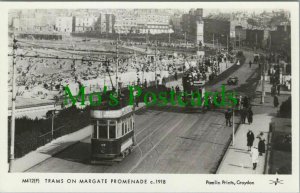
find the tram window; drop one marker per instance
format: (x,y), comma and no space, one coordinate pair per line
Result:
(96,124)
(118,130)
(95,131)
(126,124)
(112,131)
(129,124)
(103,131)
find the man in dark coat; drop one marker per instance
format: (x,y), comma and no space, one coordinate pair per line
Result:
(228,117)
(278,89)
(245,102)
(175,76)
(243,115)
(250,139)
(261,143)
(250,116)
(273,90)
(275,101)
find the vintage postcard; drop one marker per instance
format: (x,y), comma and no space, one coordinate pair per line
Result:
(149,97)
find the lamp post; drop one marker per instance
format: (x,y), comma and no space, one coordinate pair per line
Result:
(263,80)
(213,40)
(233,130)
(185,39)
(155,62)
(227,44)
(117,66)
(13,108)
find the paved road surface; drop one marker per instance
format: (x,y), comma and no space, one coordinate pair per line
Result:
(168,142)
(247,78)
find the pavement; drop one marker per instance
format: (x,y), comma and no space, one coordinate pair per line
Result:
(269,86)
(35,157)
(237,159)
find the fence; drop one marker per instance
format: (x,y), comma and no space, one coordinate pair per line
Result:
(47,137)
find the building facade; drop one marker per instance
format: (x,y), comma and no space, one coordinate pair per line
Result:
(65,24)
(83,24)
(191,23)
(280,39)
(255,37)
(216,30)
(107,23)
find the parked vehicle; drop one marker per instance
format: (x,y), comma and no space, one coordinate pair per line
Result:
(232,80)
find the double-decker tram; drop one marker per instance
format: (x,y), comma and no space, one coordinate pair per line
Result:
(113,133)
(192,85)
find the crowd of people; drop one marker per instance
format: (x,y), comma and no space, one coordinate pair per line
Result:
(50,74)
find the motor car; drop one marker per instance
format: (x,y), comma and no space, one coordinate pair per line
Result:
(232,80)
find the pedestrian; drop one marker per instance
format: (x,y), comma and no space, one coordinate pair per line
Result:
(228,117)
(250,139)
(273,90)
(177,90)
(275,101)
(250,115)
(278,89)
(250,63)
(136,102)
(209,103)
(261,143)
(243,115)
(254,156)
(246,102)
(240,102)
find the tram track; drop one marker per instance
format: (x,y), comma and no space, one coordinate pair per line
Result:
(164,136)
(153,131)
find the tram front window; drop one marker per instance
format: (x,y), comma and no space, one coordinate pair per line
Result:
(102,131)
(112,131)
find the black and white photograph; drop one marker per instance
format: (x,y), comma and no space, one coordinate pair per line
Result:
(149,90)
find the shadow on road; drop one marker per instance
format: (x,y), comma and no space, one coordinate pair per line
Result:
(77,153)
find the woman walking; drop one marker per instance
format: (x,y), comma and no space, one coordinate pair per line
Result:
(254,157)
(250,139)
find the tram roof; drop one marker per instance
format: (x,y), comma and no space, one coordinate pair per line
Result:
(111,113)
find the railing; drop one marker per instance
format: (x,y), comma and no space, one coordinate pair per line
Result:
(47,137)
